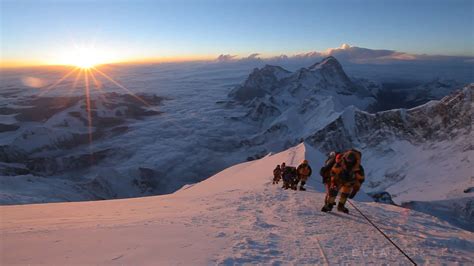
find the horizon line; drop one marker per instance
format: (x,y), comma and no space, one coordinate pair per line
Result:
(18,63)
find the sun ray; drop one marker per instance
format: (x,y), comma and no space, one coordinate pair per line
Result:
(120,86)
(74,85)
(57,82)
(76,80)
(88,109)
(98,85)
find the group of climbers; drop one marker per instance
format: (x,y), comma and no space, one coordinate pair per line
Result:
(342,172)
(291,175)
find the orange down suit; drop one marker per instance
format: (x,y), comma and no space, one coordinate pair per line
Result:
(346,179)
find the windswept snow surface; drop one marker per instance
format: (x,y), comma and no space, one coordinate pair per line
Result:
(234,217)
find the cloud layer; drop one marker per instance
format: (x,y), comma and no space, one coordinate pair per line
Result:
(356,55)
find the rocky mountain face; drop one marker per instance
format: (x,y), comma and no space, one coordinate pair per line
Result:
(260,82)
(325,76)
(291,106)
(330,74)
(441,120)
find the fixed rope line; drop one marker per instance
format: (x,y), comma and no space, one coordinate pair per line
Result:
(388,238)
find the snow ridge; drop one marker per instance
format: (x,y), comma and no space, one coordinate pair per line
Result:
(235,217)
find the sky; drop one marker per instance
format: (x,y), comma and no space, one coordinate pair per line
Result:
(46,31)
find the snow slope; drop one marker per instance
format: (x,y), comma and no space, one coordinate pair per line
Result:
(234,217)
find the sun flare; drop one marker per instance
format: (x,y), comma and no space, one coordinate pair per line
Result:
(85,62)
(83,56)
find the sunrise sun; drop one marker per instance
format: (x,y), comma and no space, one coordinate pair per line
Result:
(83,56)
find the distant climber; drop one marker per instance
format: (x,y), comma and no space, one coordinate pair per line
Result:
(283,169)
(347,176)
(289,175)
(304,172)
(276,174)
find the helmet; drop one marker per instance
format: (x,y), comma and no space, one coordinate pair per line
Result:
(305,162)
(350,159)
(332,154)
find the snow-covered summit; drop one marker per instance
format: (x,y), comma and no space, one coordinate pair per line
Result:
(330,69)
(297,104)
(325,77)
(260,82)
(328,62)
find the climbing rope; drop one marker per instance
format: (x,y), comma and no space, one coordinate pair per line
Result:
(388,238)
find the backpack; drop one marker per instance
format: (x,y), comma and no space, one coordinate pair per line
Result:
(328,164)
(304,170)
(290,171)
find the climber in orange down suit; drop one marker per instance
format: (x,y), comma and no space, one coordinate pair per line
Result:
(347,176)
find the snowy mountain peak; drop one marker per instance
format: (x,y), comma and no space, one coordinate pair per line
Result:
(299,103)
(332,72)
(266,76)
(328,62)
(278,71)
(260,82)
(326,76)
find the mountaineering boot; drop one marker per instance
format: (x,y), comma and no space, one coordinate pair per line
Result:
(327,207)
(302,186)
(341,208)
